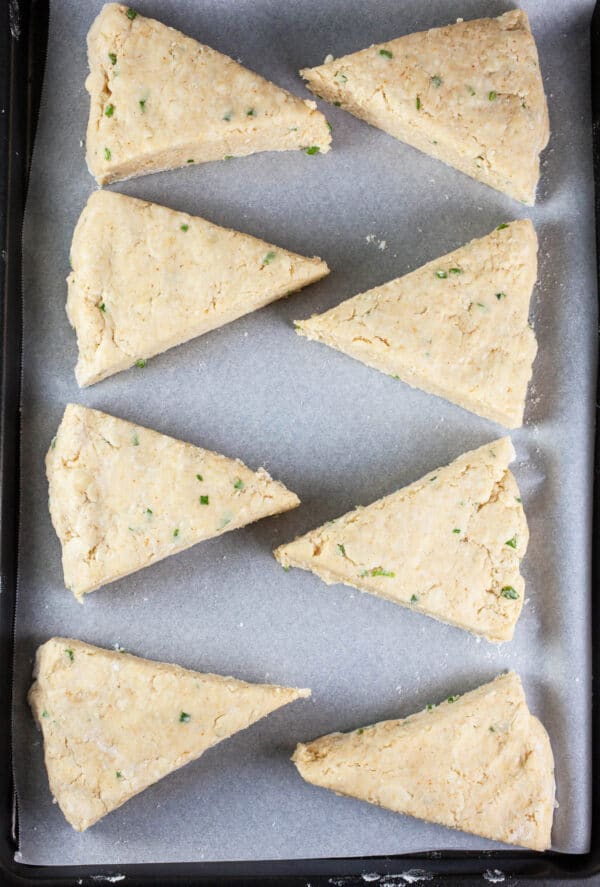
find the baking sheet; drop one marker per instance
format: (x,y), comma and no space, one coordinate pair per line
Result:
(334,431)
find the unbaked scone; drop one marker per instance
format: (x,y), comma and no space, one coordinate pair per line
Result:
(122,497)
(449,545)
(114,724)
(159,100)
(481,763)
(470,94)
(146,278)
(457,327)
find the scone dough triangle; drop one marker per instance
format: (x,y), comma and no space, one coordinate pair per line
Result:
(122,497)
(481,763)
(159,100)
(470,94)
(457,327)
(113,724)
(449,545)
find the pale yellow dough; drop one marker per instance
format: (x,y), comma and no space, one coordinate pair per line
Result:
(122,497)
(457,327)
(481,763)
(470,94)
(449,545)
(159,100)
(113,724)
(146,278)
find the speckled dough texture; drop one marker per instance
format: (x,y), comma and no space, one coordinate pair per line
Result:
(340,435)
(159,99)
(113,723)
(470,94)
(122,497)
(146,278)
(479,762)
(449,545)
(458,327)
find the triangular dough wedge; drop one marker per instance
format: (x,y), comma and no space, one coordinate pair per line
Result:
(480,763)
(456,327)
(449,545)
(113,724)
(159,100)
(122,497)
(470,94)
(146,278)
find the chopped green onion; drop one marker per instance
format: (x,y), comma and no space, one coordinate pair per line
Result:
(199,477)
(44,714)
(386,53)
(436,80)
(379,571)
(227,116)
(109,110)
(441,275)
(502,226)
(70,653)
(203,500)
(143,105)
(456,530)
(471,90)
(418,103)
(500,296)
(250,112)
(191,160)
(510,593)
(141,363)
(149,512)
(430,706)
(338,104)
(102,306)
(135,440)
(175,533)
(342,550)
(414,598)
(239,484)
(269,258)
(113,58)
(512,543)
(452,698)
(107,154)
(131,14)
(314,149)
(339,76)
(185,227)
(184,717)
(118,774)
(492,96)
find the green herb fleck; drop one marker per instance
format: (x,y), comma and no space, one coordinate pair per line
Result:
(456,271)
(418,103)
(185,227)
(441,275)
(191,160)
(118,774)
(492,729)
(113,58)
(480,304)
(250,112)
(510,593)
(239,483)
(414,598)
(512,543)
(500,296)
(492,96)
(184,717)
(102,306)
(268,258)
(471,90)
(203,500)
(342,549)
(430,706)
(107,154)
(109,110)
(131,14)
(227,116)
(53,442)
(142,104)
(502,226)
(360,731)
(135,440)
(149,512)
(386,53)
(436,80)
(141,363)
(199,477)
(338,104)
(313,149)
(228,157)
(431,479)
(340,77)
(287,569)
(452,698)
(45,714)
(329,126)
(379,571)
(456,530)
(175,533)
(518,499)
(70,653)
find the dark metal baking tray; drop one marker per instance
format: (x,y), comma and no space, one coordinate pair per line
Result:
(23,38)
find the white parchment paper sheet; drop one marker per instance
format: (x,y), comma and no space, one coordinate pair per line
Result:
(334,431)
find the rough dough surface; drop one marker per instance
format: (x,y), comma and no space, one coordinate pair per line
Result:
(449,545)
(456,327)
(159,100)
(470,94)
(122,497)
(113,724)
(146,278)
(480,763)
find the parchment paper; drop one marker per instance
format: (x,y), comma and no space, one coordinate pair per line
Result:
(334,431)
